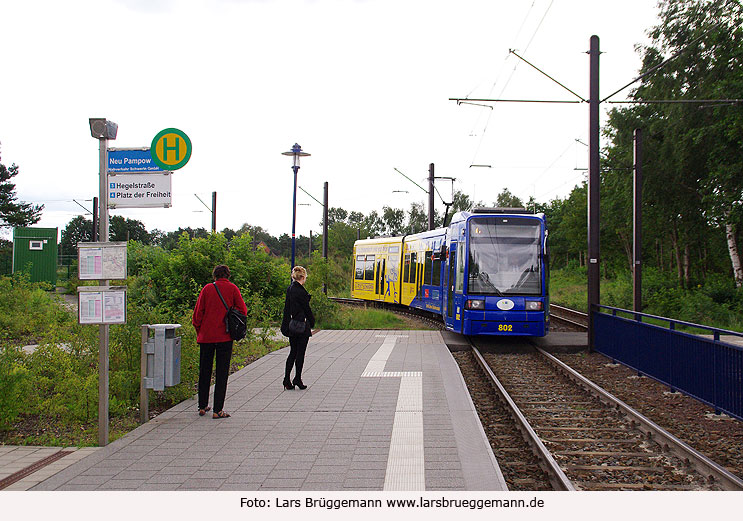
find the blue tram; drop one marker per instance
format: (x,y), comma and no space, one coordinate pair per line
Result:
(486,274)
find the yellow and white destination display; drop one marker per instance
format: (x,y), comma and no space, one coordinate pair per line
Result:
(101,304)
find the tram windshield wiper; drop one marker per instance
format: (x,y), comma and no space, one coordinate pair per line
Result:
(484,277)
(525,276)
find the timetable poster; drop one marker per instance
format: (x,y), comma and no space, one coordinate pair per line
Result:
(90,263)
(102,261)
(90,306)
(114,307)
(102,307)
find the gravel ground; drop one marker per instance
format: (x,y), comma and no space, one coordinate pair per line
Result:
(718,437)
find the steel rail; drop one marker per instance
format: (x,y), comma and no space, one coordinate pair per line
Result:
(556,475)
(562,311)
(701,463)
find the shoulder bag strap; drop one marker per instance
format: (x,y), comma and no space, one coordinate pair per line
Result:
(220,296)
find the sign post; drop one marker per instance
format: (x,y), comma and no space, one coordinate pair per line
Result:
(139,178)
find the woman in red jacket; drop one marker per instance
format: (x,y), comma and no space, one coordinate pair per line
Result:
(213,337)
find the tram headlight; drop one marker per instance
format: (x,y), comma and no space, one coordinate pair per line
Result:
(475,304)
(534,305)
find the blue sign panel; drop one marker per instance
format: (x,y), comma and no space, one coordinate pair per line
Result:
(122,160)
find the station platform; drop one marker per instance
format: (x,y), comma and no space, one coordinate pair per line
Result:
(384,410)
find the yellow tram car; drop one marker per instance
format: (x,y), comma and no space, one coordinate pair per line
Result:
(393,269)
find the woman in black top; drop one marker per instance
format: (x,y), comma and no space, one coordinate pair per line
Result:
(297,307)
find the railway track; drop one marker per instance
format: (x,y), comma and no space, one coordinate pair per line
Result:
(551,429)
(573,319)
(584,438)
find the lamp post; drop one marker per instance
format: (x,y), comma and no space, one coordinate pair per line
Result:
(103,130)
(296,152)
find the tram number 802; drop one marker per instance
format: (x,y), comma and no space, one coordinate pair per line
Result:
(505,327)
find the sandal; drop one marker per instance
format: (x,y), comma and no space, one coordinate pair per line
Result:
(220,414)
(203,411)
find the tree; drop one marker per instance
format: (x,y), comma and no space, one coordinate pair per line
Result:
(79,229)
(507,200)
(336,215)
(694,173)
(417,218)
(394,221)
(120,229)
(14,213)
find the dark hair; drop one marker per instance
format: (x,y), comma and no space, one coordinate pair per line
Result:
(221,272)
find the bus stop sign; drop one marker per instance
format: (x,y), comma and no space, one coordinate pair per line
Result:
(171,149)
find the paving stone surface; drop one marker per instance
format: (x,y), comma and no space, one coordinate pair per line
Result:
(335,435)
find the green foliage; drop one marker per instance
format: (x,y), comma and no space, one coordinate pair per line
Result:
(26,309)
(13,383)
(12,212)
(717,303)
(121,229)
(79,229)
(325,310)
(6,257)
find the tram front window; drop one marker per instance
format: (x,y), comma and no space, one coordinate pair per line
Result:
(504,256)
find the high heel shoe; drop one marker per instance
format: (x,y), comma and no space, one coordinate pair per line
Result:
(288,386)
(299,384)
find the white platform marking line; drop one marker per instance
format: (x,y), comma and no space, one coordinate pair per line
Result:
(406,462)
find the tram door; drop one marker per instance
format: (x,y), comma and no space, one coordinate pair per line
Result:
(379,281)
(454,289)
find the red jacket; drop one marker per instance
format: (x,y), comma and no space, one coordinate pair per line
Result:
(209,313)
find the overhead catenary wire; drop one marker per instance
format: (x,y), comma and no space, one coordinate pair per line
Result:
(487,121)
(664,62)
(545,74)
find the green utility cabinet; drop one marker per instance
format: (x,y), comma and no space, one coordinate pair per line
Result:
(35,251)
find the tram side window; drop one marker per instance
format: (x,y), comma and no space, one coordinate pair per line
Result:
(359,267)
(428,268)
(460,268)
(369,268)
(413,267)
(436,268)
(406,269)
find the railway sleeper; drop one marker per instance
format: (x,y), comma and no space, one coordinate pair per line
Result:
(593,485)
(591,440)
(618,468)
(605,453)
(580,429)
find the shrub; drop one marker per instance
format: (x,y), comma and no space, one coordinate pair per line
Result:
(13,380)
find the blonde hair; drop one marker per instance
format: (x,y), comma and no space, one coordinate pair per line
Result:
(299,273)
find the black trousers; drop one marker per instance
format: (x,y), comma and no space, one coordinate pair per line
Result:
(297,348)
(223,350)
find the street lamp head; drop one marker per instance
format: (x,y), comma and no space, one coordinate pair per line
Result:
(101,128)
(297,152)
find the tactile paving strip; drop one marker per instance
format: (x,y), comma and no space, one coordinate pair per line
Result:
(406,462)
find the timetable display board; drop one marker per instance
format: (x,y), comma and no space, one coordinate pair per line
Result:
(101,304)
(101,260)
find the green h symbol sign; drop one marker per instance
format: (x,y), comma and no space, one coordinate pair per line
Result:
(175,148)
(171,140)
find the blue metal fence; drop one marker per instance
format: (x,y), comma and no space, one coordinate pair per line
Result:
(708,369)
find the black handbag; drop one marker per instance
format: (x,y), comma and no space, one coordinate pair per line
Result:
(235,323)
(296,327)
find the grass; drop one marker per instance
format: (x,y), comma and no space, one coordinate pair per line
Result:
(716,304)
(359,318)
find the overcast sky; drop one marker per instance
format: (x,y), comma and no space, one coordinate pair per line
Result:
(362,85)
